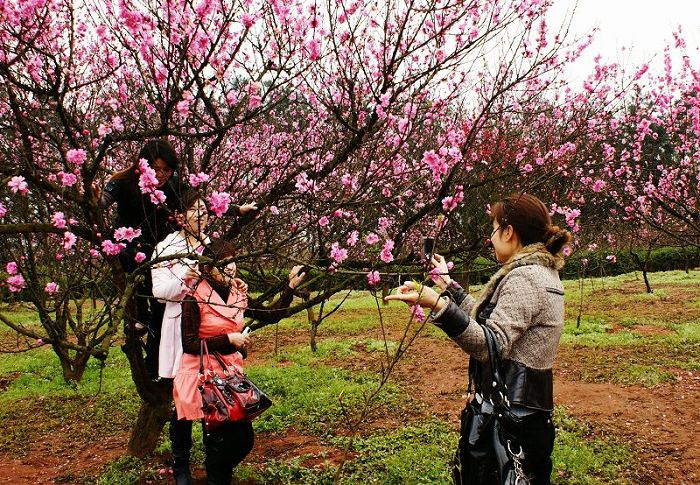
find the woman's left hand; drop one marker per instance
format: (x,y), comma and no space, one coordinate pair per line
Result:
(410,293)
(241,285)
(245,208)
(295,276)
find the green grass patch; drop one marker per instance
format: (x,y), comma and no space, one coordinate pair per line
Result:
(37,373)
(307,394)
(582,457)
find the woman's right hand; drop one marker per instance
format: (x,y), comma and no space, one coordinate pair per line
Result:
(238,340)
(443,279)
(191,275)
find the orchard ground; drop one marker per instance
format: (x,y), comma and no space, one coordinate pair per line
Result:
(627,388)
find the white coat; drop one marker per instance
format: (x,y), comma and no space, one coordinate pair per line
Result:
(170,287)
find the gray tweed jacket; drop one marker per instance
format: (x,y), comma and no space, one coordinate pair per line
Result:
(528,313)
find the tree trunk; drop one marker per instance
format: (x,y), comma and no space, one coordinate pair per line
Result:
(313,330)
(146,432)
(646,279)
(74,368)
(156,398)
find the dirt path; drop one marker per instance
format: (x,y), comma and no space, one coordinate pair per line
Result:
(661,424)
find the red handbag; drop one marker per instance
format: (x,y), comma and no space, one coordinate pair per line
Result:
(228,396)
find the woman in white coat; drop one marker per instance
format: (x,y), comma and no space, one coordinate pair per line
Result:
(173,278)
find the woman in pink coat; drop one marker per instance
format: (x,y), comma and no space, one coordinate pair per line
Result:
(214,313)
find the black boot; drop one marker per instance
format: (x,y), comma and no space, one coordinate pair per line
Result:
(181,443)
(217,461)
(181,472)
(225,448)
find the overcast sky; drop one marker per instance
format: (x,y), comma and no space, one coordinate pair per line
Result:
(643,27)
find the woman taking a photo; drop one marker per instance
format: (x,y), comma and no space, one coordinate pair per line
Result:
(522,307)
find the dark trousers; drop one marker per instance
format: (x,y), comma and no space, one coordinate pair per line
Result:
(225,448)
(537,441)
(153,338)
(149,311)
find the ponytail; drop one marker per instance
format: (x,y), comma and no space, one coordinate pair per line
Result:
(555,239)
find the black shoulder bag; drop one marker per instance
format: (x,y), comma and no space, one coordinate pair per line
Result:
(488,452)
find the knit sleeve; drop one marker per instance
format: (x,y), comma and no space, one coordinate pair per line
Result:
(517,304)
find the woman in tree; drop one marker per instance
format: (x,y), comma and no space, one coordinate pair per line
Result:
(135,209)
(214,312)
(522,306)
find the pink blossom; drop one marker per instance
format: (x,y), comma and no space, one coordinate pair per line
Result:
(313,47)
(67,179)
(323,221)
(11,268)
(15,283)
(352,238)
(337,213)
(104,130)
(18,184)
(148,183)
(40,341)
(567,251)
(3,210)
(338,253)
(436,164)
(94,253)
(69,240)
(274,210)
(598,185)
(248,20)
(126,234)
(386,255)
(254,101)
(417,312)
(76,156)
(372,238)
(196,179)
(117,123)
(112,249)
(58,220)
(231,98)
(527,168)
(611,258)
(383,223)
(373,278)
(51,288)
(139,257)
(219,203)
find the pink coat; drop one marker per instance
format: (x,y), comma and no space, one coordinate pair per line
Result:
(217,317)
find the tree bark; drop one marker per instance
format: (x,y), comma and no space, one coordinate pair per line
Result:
(156,399)
(146,432)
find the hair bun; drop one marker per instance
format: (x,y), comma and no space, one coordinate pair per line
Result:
(556,238)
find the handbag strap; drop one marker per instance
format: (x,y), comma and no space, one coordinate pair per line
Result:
(496,367)
(202,352)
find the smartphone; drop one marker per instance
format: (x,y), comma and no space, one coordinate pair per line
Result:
(428,248)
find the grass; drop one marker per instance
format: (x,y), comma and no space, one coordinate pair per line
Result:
(581,457)
(307,390)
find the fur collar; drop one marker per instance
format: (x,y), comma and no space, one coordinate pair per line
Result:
(532,254)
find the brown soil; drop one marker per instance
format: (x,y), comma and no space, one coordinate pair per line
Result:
(662,425)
